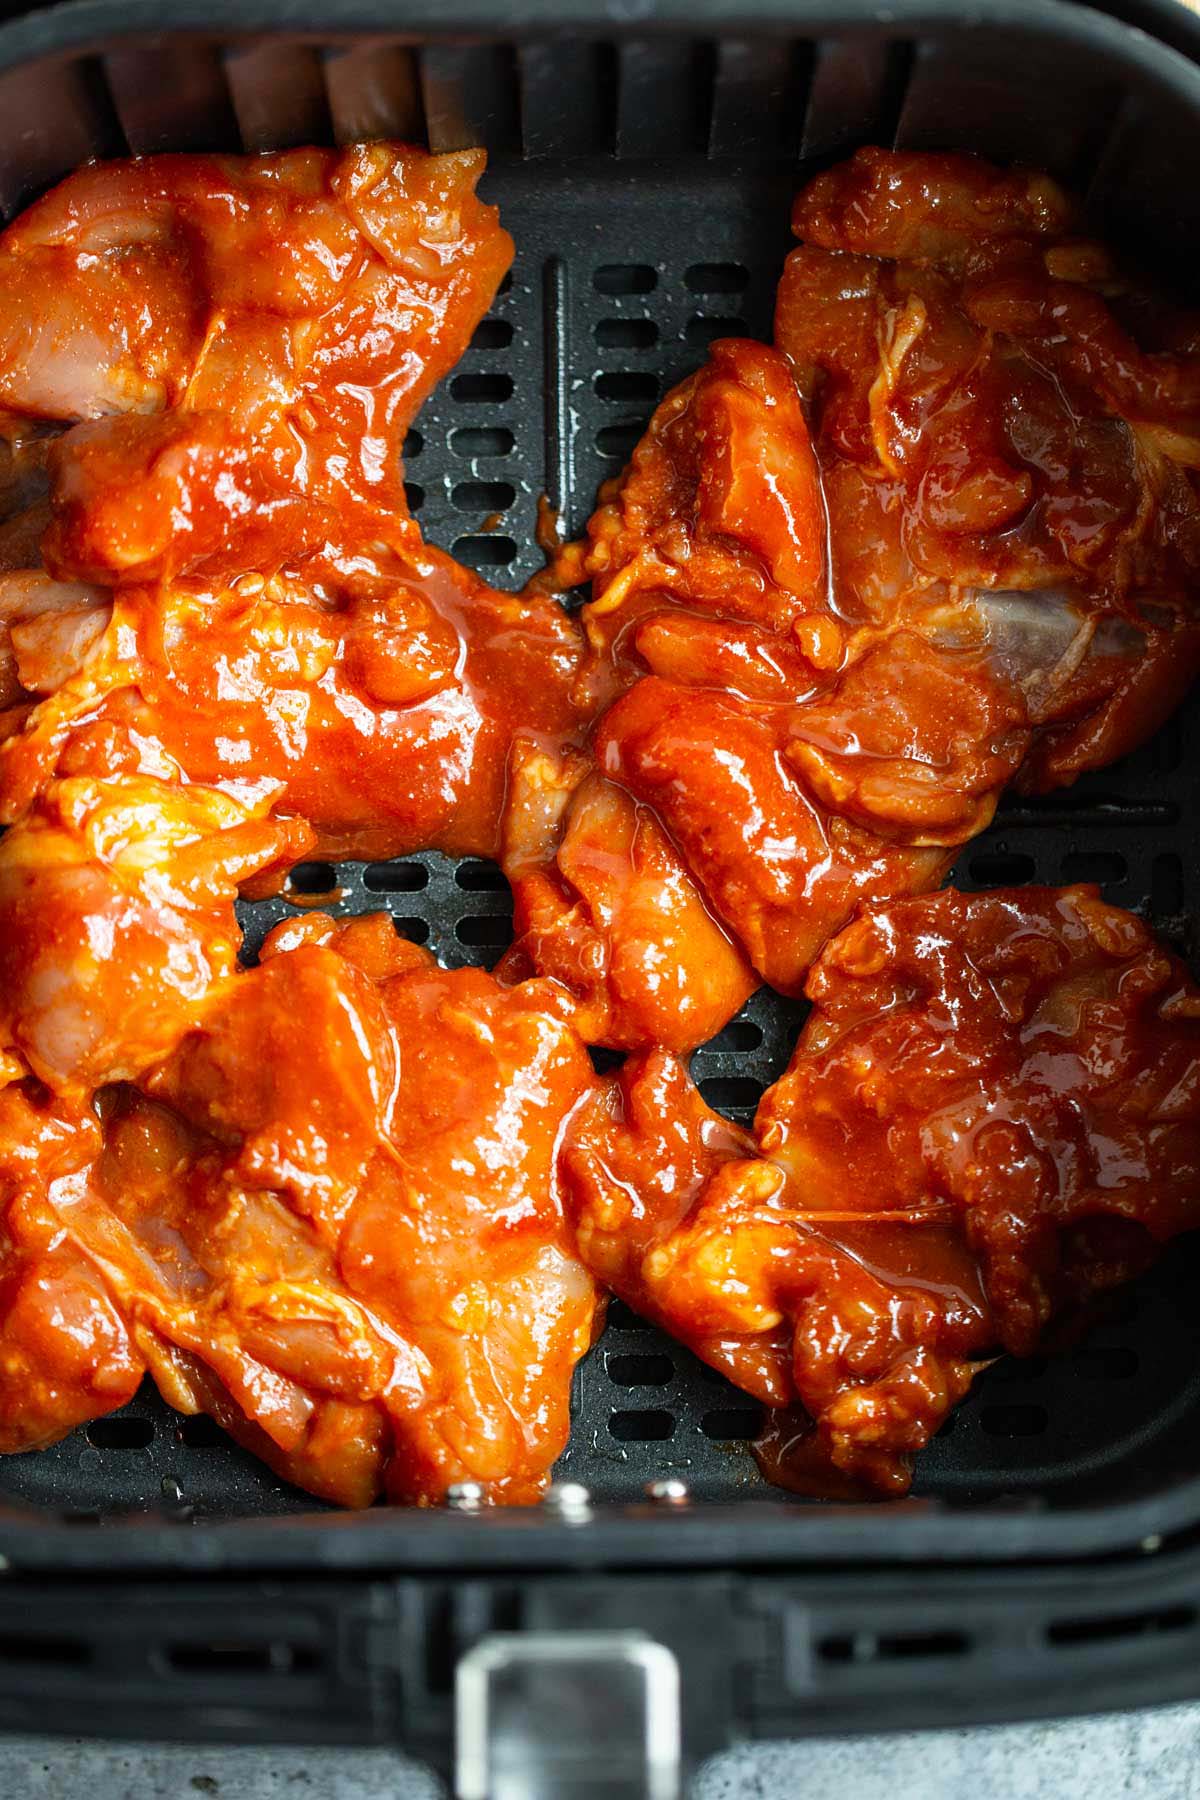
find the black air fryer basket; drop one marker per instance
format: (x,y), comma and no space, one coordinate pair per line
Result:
(156,1579)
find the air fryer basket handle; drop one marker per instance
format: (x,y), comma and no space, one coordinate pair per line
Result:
(568,1714)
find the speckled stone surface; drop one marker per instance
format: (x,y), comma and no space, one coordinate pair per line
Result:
(1153,1755)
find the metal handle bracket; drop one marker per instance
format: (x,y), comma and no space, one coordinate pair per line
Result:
(568,1715)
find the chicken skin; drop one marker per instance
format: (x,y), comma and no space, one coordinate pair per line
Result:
(992,1113)
(345,1242)
(943,540)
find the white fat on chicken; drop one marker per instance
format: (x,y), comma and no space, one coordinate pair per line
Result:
(1039,638)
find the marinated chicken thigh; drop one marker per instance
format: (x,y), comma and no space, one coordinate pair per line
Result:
(238,346)
(331,1218)
(993,1112)
(1007,432)
(117,928)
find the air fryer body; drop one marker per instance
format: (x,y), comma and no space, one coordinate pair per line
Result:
(158,1579)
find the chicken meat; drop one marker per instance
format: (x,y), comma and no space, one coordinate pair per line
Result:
(234,348)
(331,1218)
(117,924)
(993,1113)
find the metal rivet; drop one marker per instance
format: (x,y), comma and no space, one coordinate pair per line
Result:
(668,1492)
(1152,1543)
(465,1496)
(570,1499)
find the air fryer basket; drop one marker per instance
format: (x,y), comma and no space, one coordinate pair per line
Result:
(643,157)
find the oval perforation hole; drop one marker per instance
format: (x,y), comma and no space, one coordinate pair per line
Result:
(924,1643)
(625,278)
(739,1034)
(629,1370)
(484,496)
(395,877)
(618,440)
(480,877)
(492,334)
(731,1093)
(716,278)
(626,334)
(310,878)
(1014,1421)
(732,1424)
(414,443)
(119,1434)
(653,1425)
(626,385)
(416,931)
(1105,1627)
(1103,866)
(414,494)
(1002,868)
(604,1060)
(486,551)
(46,1648)
(202,1433)
(487,930)
(482,390)
(866,1646)
(1014,1368)
(473,441)
(703,331)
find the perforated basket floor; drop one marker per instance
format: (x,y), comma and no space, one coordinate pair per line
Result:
(550,398)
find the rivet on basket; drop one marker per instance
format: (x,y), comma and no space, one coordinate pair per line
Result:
(465,1496)
(570,1500)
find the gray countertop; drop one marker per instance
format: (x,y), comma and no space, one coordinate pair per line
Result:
(1152,1755)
